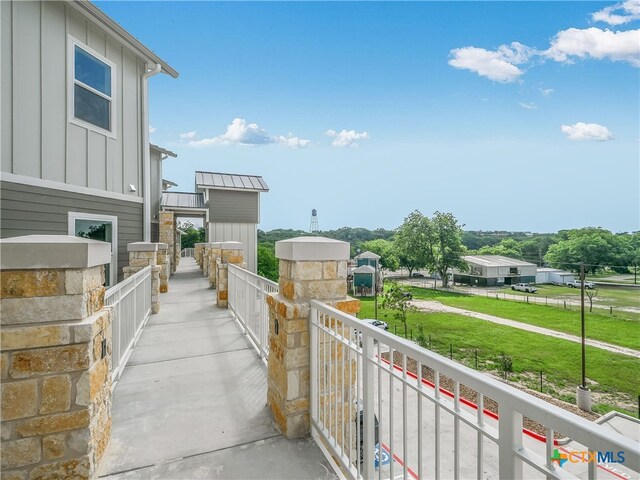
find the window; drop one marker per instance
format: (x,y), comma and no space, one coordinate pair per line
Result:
(98,227)
(91,96)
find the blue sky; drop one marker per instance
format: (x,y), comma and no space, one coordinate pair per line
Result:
(367,111)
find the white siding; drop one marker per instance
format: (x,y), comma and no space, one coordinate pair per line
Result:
(247,233)
(37,138)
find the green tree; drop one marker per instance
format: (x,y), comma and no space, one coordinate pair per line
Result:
(386,250)
(507,248)
(444,245)
(398,299)
(192,235)
(267,262)
(411,241)
(596,247)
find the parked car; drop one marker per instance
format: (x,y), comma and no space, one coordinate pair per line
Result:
(524,287)
(417,275)
(578,284)
(377,323)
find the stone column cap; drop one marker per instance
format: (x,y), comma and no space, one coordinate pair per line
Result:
(215,244)
(231,245)
(52,251)
(199,243)
(143,247)
(162,246)
(312,249)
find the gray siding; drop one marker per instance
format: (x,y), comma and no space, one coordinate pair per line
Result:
(246,233)
(156,184)
(37,138)
(28,210)
(234,206)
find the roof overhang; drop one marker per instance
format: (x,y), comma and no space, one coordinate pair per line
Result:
(106,23)
(164,151)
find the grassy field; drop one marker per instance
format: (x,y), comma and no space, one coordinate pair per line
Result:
(622,328)
(559,360)
(607,296)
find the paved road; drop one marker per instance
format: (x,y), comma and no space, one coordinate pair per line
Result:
(434,306)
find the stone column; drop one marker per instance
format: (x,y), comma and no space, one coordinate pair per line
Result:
(310,268)
(197,252)
(230,252)
(213,263)
(168,235)
(165,264)
(206,251)
(56,356)
(141,255)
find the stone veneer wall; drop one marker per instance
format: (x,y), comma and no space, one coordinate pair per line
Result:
(230,252)
(168,235)
(198,250)
(323,277)
(55,362)
(213,263)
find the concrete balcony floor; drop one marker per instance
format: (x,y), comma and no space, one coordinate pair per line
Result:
(191,402)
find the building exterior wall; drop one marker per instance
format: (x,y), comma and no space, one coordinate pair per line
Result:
(38,140)
(156,184)
(233,206)
(28,210)
(247,233)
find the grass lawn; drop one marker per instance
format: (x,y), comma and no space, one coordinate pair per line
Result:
(530,352)
(608,296)
(622,328)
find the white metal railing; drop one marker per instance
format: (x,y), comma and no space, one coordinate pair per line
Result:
(130,301)
(247,297)
(187,252)
(362,376)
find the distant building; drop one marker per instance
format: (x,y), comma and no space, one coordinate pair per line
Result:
(367,258)
(553,275)
(495,271)
(363,280)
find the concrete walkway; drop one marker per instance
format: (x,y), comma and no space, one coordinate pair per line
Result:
(434,306)
(191,402)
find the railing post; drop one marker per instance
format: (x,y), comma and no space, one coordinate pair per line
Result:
(368,405)
(310,268)
(509,441)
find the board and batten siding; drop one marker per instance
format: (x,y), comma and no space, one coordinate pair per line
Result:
(29,210)
(37,138)
(231,206)
(246,233)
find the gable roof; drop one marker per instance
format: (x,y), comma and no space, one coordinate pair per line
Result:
(368,254)
(182,200)
(168,153)
(230,181)
(106,23)
(364,269)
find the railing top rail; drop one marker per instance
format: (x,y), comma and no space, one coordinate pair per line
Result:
(253,275)
(570,424)
(133,278)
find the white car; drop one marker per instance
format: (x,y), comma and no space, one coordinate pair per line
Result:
(524,287)
(577,284)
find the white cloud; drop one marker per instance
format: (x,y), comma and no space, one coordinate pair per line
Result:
(346,138)
(528,106)
(618,14)
(152,129)
(587,131)
(239,132)
(547,91)
(188,135)
(596,43)
(497,65)
(291,141)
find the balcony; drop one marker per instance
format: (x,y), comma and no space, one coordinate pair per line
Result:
(191,401)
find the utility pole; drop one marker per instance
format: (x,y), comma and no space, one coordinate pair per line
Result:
(584,350)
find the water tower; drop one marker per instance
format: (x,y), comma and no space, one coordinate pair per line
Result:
(314,222)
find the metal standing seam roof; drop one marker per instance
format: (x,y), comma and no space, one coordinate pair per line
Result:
(496,261)
(232,181)
(182,200)
(368,254)
(364,269)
